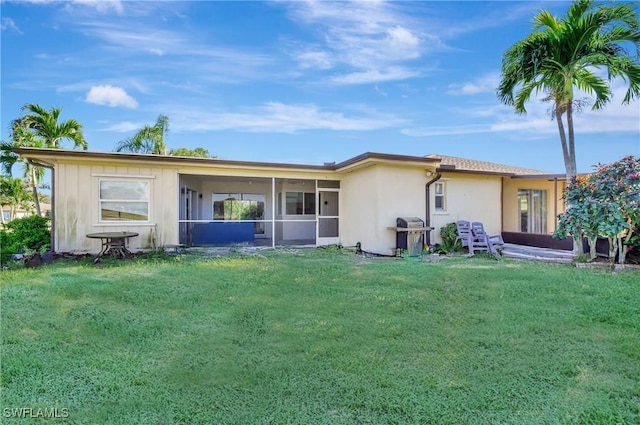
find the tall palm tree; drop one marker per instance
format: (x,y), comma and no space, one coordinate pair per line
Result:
(149,139)
(40,128)
(563,55)
(44,124)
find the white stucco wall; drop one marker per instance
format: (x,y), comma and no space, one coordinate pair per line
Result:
(471,197)
(373,198)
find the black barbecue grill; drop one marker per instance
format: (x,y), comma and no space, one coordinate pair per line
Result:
(410,235)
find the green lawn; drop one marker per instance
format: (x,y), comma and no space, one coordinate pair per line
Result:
(320,338)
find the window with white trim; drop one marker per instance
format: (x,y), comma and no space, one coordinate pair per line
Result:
(124,200)
(439,196)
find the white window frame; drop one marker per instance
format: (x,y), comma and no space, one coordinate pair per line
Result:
(124,201)
(442,194)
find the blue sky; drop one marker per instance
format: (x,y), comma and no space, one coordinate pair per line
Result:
(302,81)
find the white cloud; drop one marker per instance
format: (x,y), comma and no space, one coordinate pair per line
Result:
(375,76)
(276,117)
(9,24)
(110,96)
(102,6)
(497,118)
(314,59)
(484,84)
(124,127)
(445,130)
(403,43)
(367,38)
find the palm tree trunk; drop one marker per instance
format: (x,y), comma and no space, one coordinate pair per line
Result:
(34,186)
(578,247)
(571,165)
(563,142)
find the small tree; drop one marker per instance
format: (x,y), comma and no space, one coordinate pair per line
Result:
(618,184)
(604,204)
(196,153)
(581,217)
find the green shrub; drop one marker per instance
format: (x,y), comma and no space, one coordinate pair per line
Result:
(25,234)
(449,235)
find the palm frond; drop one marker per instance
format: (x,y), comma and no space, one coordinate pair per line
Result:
(592,84)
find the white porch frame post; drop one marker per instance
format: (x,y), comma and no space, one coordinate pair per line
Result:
(273,212)
(317,212)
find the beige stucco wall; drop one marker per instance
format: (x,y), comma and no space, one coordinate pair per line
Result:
(511,186)
(471,197)
(373,198)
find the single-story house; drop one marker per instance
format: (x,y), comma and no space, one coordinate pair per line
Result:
(170,200)
(45,209)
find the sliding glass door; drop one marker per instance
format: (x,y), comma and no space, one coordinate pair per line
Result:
(532,210)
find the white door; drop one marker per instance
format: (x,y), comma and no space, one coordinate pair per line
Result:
(328,230)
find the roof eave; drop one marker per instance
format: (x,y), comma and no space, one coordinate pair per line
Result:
(540,176)
(366,159)
(167,159)
(488,173)
(370,158)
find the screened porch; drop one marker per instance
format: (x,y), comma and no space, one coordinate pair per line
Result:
(257,211)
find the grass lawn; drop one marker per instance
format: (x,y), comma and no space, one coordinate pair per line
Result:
(320,338)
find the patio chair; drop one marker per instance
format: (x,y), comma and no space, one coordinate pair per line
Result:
(464,232)
(481,241)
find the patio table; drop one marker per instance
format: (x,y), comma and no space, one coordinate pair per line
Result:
(113,243)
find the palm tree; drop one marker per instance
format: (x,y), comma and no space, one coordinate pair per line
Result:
(14,194)
(563,55)
(39,128)
(149,139)
(44,124)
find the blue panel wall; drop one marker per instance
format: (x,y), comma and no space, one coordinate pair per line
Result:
(222,233)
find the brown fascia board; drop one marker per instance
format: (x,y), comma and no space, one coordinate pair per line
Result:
(540,176)
(37,152)
(373,156)
(368,156)
(446,169)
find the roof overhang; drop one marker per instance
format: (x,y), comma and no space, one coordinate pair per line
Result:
(374,158)
(484,173)
(53,156)
(540,176)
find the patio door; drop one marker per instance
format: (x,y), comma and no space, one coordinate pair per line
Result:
(189,207)
(328,229)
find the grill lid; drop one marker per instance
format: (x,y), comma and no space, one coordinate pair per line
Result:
(409,222)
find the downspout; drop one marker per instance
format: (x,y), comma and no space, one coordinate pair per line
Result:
(427,221)
(53,201)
